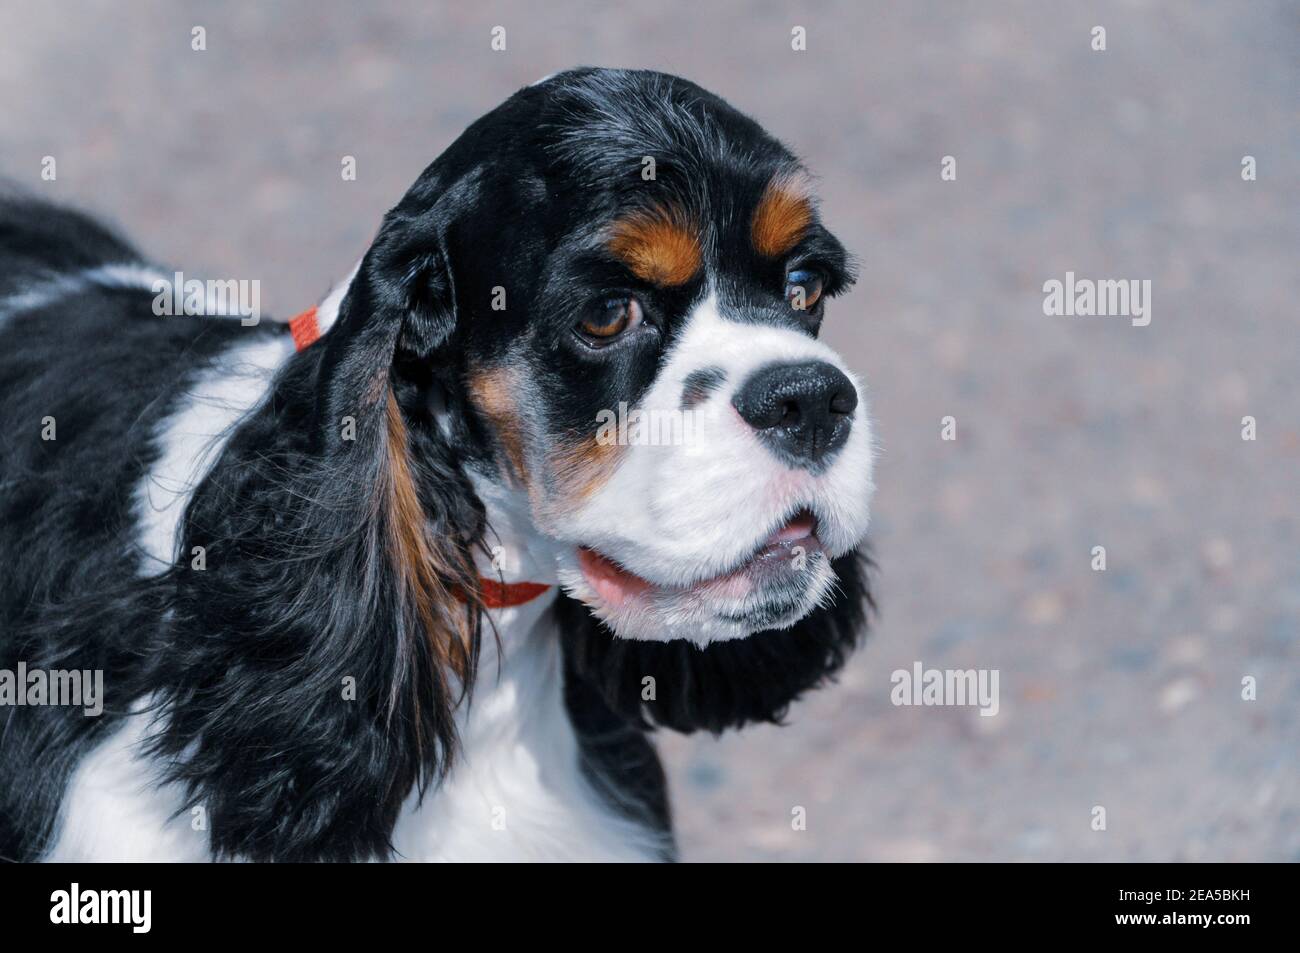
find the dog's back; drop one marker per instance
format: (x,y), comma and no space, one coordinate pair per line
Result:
(87,373)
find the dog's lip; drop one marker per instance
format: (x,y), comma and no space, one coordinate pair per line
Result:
(617,585)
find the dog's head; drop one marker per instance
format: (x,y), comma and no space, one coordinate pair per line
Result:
(589,330)
(618,281)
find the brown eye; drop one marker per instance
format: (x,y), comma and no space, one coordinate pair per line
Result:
(803,289)
(617,316)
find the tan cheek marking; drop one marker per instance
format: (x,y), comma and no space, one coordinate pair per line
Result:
(492,393)
(781,218)
(578,468)
(582,468)
(660,246)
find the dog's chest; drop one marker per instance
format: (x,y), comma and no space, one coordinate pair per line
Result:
(517,791)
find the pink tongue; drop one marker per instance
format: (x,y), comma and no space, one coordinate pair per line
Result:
(801,526)
(615,585)
(612,583)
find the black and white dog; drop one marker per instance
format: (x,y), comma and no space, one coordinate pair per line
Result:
(412,581)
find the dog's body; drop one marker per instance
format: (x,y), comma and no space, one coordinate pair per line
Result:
(521,744)
(280,557)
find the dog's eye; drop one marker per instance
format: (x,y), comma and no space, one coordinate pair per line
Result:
(803,288)
(616,316)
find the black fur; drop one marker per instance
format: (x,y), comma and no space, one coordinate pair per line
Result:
(70,594)
(297,596)
(244,660)
(618,759)
(712,688)
(724,684)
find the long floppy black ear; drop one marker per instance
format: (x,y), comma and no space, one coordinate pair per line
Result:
(318,655)
(724,684)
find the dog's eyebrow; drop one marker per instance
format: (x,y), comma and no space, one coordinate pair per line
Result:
(782,216)
(659,245)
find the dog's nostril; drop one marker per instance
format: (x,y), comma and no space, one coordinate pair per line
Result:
(802,411)
(844,401)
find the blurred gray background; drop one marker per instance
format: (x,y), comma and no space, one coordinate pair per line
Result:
(1119,688)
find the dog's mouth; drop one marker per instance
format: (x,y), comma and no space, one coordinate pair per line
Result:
(773,563)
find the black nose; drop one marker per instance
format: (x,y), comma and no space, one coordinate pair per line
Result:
(802,411)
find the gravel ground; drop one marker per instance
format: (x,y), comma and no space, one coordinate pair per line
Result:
(1119,689)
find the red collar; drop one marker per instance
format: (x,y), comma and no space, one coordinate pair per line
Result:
(507,595)
(305,329)
(496,594)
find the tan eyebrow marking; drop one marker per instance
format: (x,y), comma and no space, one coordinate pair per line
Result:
(782,216)
(661,246)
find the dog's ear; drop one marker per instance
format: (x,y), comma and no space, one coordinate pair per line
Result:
(333,627)
(403,290)
(724,684)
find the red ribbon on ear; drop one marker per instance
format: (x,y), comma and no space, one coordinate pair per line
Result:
(496,594)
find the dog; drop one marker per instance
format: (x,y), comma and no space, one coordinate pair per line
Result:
(386,582)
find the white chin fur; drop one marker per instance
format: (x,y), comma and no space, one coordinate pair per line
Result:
(662,615)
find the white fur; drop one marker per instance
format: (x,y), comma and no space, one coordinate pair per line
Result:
(194,434)
(517,552)
(516,792)
(678,514)
(50,289)
(114,811)
(192,437)
(327,311)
